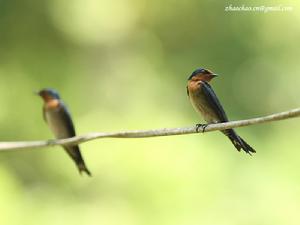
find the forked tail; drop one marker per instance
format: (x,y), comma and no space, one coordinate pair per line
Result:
(82,168)
(75,154)
(238,142)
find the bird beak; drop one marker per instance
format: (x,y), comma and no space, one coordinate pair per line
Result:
(214,75)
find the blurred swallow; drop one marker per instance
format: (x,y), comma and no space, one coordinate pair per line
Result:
(205,102)
(60,122)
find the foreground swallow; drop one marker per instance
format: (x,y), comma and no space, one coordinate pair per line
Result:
(60,122)
(205,102)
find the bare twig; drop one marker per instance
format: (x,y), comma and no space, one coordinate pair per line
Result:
(5,146)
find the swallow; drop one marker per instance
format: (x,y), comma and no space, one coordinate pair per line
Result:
(206,103)
(60,123)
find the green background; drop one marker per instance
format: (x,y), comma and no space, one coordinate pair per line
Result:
(123,65)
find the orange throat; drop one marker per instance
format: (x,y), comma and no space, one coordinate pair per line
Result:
(51,103)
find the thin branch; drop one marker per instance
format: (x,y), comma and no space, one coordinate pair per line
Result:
(5,146)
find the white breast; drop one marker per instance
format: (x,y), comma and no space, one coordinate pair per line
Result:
(57,124)
(201,106)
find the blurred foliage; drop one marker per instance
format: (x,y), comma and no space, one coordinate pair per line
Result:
(122,65)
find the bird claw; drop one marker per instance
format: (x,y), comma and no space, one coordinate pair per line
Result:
(202,126)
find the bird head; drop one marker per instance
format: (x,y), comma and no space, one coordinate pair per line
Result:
(48,94)
(202,75)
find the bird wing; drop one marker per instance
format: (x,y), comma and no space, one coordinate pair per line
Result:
(66,119)
(213,101)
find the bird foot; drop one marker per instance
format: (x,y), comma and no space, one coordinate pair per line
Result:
(201,126)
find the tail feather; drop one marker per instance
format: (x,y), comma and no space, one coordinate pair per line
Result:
(82,168)
(238,142)
(75,154)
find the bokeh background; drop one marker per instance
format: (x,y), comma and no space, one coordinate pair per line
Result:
(123,65)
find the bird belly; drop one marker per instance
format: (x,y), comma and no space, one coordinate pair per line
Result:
(201,105)
(56,124)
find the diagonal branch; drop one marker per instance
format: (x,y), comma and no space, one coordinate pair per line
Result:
(5,146)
